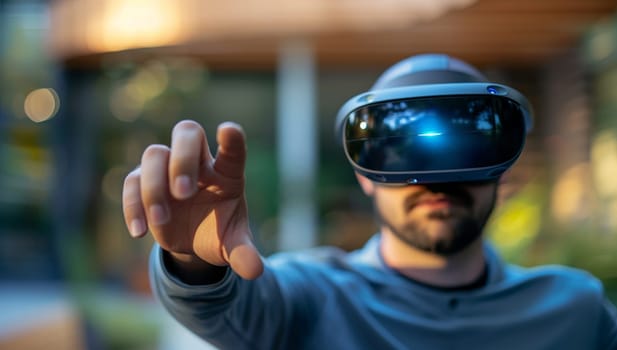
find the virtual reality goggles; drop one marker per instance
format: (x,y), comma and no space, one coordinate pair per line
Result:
(447,132)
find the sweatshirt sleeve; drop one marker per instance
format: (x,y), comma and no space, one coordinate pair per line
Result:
(608,326)
(231,314)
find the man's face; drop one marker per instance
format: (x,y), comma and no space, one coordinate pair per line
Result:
(439,218)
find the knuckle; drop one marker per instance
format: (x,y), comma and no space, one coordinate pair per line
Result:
(132,201)
(183,162)
(154,191)
(132,208)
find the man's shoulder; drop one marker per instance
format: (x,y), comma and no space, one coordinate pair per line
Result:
(313,257)
(330,256)
(556,272)
(329,265)
(564,280)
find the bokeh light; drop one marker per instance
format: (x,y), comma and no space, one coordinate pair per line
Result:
(187,74)
(111,185)
(571,196)
(604,160)
(602,45)
(517,222)
(41,104)
(125,103)
(128,99)
(136,23)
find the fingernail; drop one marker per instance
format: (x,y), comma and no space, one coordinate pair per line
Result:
(138,227)
(158,214)
(183,186)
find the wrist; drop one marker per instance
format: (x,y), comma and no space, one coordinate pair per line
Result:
(191,269)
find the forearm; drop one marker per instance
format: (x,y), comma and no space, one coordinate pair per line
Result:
(228,313)
(199,307)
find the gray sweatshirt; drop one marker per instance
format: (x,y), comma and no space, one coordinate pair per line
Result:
(325,298)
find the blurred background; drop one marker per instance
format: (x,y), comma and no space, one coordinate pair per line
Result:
(86,85)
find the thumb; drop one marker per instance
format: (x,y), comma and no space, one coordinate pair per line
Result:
(242,256)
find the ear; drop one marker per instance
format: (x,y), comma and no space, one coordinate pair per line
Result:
(367,185)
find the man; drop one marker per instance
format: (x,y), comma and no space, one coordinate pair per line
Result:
(428,143)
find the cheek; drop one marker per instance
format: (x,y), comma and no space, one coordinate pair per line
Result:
(485,201)
(390,205)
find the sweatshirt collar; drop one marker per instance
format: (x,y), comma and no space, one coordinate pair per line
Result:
(370,255)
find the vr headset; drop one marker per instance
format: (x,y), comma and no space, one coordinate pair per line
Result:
(432,118)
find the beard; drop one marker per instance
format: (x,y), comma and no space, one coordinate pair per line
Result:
(464,227)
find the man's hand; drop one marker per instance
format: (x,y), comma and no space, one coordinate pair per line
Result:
(192,203)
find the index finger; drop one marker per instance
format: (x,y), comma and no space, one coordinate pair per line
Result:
(189,152)
(231,153)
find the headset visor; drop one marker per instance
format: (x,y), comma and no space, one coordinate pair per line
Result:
(435,134)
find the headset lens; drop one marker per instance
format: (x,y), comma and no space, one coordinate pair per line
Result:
(435,134)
